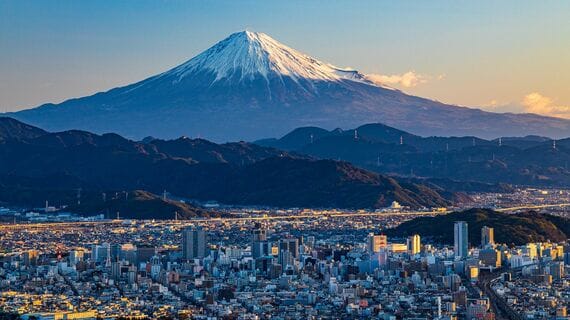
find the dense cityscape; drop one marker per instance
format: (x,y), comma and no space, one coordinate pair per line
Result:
(284,160)
(319,266)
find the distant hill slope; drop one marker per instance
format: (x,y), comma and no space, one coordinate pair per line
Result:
(140,204)
(322,183)
(514,229)
(54,165)
(530,160)
(11,129)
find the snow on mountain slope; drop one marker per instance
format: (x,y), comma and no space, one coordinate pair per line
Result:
(249,54)
(249,86)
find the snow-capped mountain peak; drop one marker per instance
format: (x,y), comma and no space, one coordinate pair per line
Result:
(249,86)
(249,54)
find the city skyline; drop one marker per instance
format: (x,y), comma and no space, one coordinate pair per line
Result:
(326,268)
(247,160)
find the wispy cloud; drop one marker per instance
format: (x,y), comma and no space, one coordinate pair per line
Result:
(540,104)
(534,102)
(408,79)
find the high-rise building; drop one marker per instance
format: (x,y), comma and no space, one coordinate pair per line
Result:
(31,257)
(115,270)
(193,243)
(75,256)
(531,250)
(557,270)
(128,253)
(414,244)
(259,233)
(310,243)
(288,251)
(490,257)
(375,242)
(101,253)
(460,239)
(144,253)
(285,258)
(115,252)
(260,247)
(487,236)
(94,252)
(132,274)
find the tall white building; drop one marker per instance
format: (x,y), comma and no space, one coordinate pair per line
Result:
(460,239)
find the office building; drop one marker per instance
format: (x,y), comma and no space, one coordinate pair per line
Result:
(376,242)
(115,252)
(259,233)
(288,251)
(460,239)
(260,247)
(144,253)
(31,257)
(490,257)
(75,256)
(414,244)
(101,253)
(193,243)
(487,236)
(557,270)
(128,253)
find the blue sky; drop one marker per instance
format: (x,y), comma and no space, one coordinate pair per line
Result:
(501,55)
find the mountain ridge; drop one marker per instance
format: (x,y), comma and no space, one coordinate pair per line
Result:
(530,160)
(139,204)
(272,90)
(54,166)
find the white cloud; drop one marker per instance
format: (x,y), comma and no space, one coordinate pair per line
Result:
(409,79)
(539,104)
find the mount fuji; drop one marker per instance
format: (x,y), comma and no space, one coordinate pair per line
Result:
(250,86)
